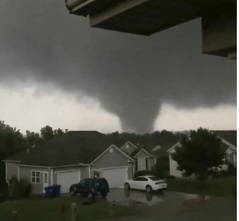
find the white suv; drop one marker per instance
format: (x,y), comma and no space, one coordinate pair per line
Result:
(148,183)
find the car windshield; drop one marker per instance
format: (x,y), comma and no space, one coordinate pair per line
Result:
(153,178)
(82,182)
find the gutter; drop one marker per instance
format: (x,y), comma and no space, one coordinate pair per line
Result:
(24,165)
(47,166)
(79,164)
(9,161)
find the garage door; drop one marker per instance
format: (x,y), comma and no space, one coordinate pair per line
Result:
(67,178)
(115,177)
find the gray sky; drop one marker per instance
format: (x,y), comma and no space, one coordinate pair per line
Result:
(57,70)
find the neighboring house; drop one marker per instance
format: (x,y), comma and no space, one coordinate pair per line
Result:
(68,158)
(228,142)
(145,159)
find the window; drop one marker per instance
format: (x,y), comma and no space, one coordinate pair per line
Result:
(45,177)
(154,178)
(140,179)
(36,177)
(87,182)
(143,179)
(141,163)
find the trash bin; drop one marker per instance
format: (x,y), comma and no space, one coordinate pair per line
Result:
(57,190)
(52,191)
(49,193)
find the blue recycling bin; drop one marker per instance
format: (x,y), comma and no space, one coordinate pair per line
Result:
(52,191)
(49,193)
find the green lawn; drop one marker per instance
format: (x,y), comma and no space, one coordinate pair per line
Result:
(38,209)
(223,187)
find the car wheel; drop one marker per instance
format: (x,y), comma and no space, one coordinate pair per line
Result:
(127,186)
(90,196)
(148,189)
(72,192)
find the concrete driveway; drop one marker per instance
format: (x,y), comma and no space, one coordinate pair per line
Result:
(122,196)
(173,206)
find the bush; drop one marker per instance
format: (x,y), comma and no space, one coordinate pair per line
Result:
(143,173)
(232,170)
(216,173)
(3,186)
(213,174)
(3,191)
(161,168)
(170,177)
(19,188)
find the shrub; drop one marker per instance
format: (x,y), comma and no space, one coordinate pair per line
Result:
(219,172)
(170,177)
(3,191)
(161,168)
(232,170)
(19,188)
(3,186)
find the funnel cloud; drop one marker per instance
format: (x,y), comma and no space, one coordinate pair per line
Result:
(131,76)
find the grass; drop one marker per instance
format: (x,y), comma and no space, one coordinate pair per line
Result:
(222,187)
(39,209)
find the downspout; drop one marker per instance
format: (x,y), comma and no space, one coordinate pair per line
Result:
(18,173)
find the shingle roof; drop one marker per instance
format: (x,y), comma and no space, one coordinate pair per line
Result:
(74,147)
(163,150)
(228,135)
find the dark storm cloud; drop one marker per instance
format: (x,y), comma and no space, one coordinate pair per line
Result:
(130,75)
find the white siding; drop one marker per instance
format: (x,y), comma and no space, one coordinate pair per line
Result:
(173,171)
(141,163)
(152,162)
(11,170)
(231,156)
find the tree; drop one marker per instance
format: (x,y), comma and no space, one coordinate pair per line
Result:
(11,142)
(47,132)
(199,151)
(161,168)
(32,138)
(58,132)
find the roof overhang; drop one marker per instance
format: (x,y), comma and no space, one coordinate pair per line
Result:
(11,161)
(230,145)
(173,147)
(117,149)
(145,17)
(129,143)
(145,151)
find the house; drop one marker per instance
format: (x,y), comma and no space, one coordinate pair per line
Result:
(68,158)
(145,159)
(228,143)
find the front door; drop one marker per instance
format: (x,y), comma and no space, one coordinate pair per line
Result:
(45,180)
